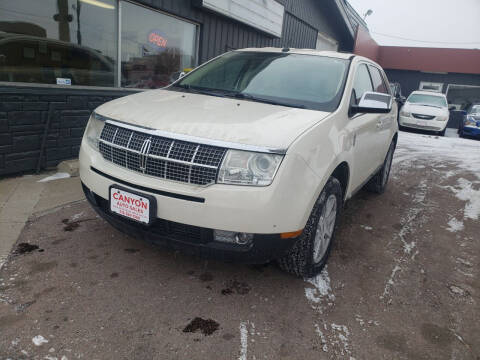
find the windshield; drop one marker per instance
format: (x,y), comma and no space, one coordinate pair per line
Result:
(430,100)
(475,109)
(303,81)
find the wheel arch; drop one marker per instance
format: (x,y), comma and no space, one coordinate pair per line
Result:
(342,174)
(395,139)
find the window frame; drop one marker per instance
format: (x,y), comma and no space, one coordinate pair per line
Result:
(118,67)
(355,78)
(382,78)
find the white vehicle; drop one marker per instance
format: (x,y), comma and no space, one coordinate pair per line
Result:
(425,110)
(249,157)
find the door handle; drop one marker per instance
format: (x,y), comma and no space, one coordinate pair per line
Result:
(379,124)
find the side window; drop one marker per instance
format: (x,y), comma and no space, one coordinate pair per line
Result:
(362,83)
(378,83)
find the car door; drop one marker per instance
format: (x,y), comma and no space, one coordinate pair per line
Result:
(363,129)
(384,121)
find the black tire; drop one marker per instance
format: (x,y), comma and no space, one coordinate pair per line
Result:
(378,183)
(300,259)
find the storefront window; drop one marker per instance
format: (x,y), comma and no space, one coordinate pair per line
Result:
(75,42)
(155,47)
(69,42)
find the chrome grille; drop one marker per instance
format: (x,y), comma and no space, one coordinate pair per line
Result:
(423,116)
(159,156)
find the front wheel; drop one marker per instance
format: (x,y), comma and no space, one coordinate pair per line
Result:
(310,252)
(378,182)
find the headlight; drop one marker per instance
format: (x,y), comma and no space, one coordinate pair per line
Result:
(94,129)
(405,113)
(248,168)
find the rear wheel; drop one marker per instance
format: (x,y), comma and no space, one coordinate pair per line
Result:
(378,182)
(309,254)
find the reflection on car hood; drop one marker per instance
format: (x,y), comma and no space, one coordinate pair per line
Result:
(425,110)
(216,118)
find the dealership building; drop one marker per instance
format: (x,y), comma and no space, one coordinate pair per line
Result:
(60,59)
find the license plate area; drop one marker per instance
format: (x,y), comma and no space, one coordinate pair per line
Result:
(132,205)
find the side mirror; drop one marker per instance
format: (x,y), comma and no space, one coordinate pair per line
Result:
(372,103)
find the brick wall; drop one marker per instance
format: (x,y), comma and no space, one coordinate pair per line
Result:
(24,114)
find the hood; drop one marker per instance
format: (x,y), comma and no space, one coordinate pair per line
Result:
(475,116)
(215,118)
(425,110)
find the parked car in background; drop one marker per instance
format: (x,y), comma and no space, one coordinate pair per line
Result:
(33,59)
(425,110)
(249,157)
(470,126)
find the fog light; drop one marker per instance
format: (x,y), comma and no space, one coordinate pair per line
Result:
(232,237)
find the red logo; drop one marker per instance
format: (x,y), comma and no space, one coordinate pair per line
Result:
(130,201)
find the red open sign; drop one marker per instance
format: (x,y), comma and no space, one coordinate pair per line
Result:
(157,40)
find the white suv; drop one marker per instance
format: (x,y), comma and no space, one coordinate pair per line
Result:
(425,110)
(249,157)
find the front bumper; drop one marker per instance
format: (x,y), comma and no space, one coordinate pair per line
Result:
(194,240)
(471,131)
(428,125)
(284,206)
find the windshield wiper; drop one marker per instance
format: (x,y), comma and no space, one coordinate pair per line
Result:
(234,94)
(199,90)
(245,96)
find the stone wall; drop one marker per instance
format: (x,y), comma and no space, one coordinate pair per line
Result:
(55,116)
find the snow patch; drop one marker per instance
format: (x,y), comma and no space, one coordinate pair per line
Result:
(244,340)
(457,290)
(368,228)
(3,260)
(342,333)
(322,338)
(321,289)
(77,216)
(464,262)
(465,192)
(57,176)
(390,281)
(39,340)
(438,151)
(455,225)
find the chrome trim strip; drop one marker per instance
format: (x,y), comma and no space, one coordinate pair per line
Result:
(190,138)
(193,158)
